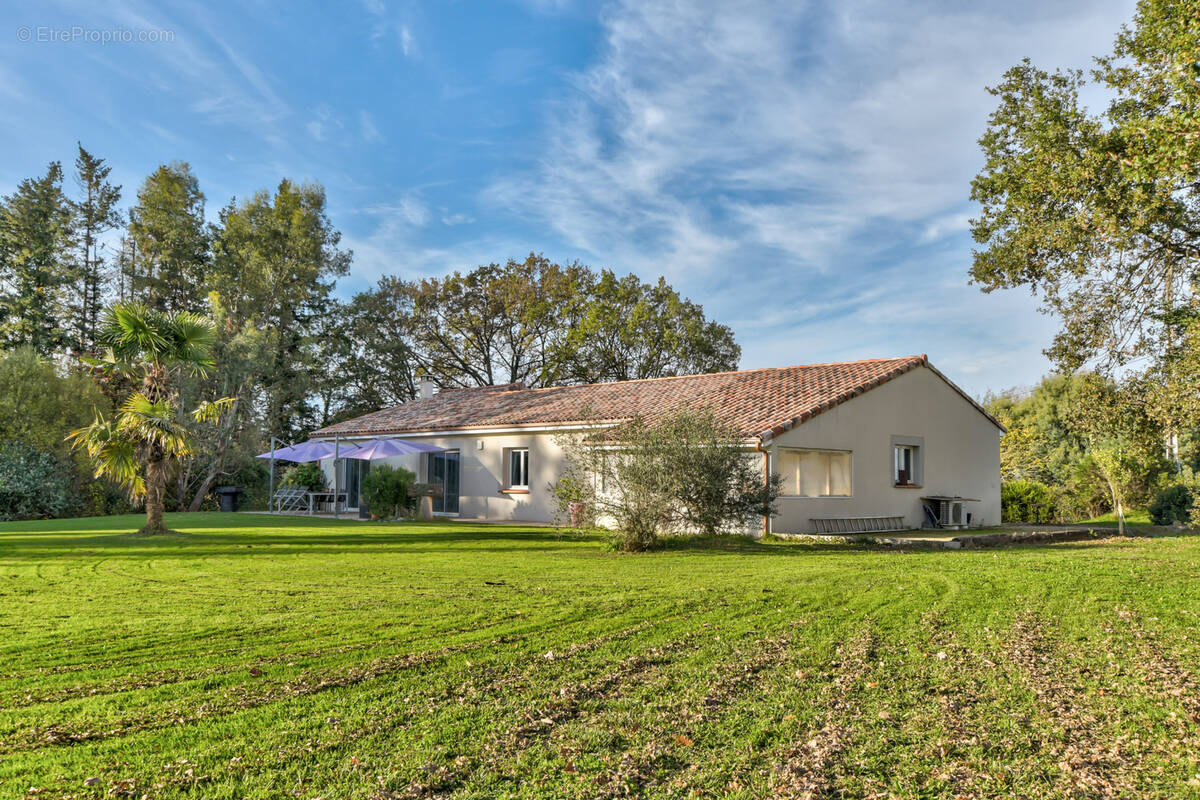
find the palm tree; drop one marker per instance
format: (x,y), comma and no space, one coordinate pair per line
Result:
(137,447)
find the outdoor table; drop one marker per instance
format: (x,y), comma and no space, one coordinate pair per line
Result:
(323,497)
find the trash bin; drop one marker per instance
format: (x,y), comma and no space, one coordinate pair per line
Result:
(228,497)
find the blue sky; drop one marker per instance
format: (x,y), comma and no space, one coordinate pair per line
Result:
(800,169)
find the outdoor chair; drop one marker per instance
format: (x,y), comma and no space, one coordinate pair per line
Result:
(291,499)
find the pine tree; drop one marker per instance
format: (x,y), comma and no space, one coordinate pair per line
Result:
(95,213)
(276,259)
(170,241)
(35,234)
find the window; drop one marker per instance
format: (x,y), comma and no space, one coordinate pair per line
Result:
(816,473)
(518,468)
(905,469)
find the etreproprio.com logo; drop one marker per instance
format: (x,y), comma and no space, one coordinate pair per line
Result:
(80,34)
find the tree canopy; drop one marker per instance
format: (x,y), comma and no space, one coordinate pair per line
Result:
(1098,212)
(287,353)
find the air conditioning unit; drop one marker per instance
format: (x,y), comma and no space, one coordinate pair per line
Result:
(947,512)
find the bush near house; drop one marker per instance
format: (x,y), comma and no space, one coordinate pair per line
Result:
(1027,501)
(684,474)
(1173,504)
(306,476)
(386,490)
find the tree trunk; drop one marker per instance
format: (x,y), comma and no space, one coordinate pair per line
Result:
(156,486)
(225,434)
(1116,496)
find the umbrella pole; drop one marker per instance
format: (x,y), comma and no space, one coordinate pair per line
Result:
(336,477)
(271,483)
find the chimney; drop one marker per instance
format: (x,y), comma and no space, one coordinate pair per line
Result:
(425,391)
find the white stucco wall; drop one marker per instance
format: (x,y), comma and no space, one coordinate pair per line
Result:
(482,473)
(960,453)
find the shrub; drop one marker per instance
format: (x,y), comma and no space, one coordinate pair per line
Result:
(385,489)
(1172,505)
(1083,493)
(687,473)
(1027,501)
(33,484)
(309,476)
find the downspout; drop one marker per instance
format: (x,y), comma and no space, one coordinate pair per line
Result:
(766,520)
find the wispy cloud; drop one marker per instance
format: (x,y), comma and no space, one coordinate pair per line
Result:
(370,132)
(798,153)
(408,45)
(322,124)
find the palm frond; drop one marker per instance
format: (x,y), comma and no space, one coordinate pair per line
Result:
(113,454)
(191,339)
(132,331)
(213,410)
(109,363)
(145,420)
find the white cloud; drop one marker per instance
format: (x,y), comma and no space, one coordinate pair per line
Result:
(409,211)
(772,155)
(408,44)
(370,132)
(323,123)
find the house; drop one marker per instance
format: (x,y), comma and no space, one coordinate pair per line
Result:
(861,445)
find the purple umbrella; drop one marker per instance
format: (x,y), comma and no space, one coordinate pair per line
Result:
(310,451)
(385,448)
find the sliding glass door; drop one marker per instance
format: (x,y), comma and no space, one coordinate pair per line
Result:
(353,471)
(443,472)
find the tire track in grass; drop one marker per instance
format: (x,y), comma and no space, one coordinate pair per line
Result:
(1168,677)
(240,698)
(732,680)
(668,750)
(663,754)
(563,706)
(166,677)
(808,769)
(186,774)
(965,710)
(386,724)
(1169,683)
(1089,762)
(499,749)
(246,696)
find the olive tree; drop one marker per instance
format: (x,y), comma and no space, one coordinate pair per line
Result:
(684,473)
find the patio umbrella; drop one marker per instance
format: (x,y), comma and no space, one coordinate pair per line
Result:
(310,451)
(304,452)
(385,448)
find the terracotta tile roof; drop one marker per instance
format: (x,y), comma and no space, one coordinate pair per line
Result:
(757,402)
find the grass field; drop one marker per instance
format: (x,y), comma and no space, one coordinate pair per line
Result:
(263,657)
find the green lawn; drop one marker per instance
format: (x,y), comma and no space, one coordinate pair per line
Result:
(265,657)
(1135,516)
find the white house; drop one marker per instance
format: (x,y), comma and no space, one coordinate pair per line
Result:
(861,445)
